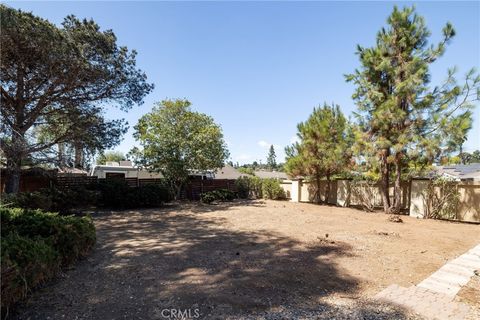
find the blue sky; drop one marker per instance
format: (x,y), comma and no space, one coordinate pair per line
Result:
(259,68)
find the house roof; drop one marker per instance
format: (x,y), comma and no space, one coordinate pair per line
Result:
(228,172)
(271,174)
(461,171)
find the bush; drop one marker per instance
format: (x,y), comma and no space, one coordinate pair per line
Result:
(271,189)
(249,187)
(51,199)
(117,194)
(35,245)
(217,195)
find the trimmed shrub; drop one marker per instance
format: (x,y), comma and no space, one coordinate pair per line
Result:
(217,195)
(35,245)
(271,189)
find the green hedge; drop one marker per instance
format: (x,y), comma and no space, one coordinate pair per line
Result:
(254,187)
(111,194)
(35,245)
(117,194)
(217,195)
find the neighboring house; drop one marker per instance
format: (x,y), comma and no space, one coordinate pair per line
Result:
(228,172)
(271,174)
(122,169)
(463,172)
(125,169)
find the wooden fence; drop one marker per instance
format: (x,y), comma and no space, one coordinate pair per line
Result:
(191,191)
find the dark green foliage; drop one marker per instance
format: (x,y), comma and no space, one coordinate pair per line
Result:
(271,189)
(249,187)
(117,194)
(217,195)
(35,245)
(52,199)
(56,82)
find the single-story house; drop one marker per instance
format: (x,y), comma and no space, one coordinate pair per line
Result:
(460,172)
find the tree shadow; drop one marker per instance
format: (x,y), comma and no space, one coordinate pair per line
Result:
(176,258)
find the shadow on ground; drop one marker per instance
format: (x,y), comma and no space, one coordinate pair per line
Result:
(176,258)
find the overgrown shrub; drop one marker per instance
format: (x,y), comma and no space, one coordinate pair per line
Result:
(51,199)
(249,187)
(271,189)
(117,194)
(217,195)
(35,245)
(442,199)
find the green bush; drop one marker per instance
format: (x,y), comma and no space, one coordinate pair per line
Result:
(51,199)
(217,195)
(35,245)
(249,187)
(117,194)
(271,189)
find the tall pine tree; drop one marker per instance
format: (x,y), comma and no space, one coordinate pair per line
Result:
(271,158)
(401,119)
(324,147)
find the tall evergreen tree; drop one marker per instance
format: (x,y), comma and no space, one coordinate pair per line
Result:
(401,119)
(271,158)
(52,74)
(324,149)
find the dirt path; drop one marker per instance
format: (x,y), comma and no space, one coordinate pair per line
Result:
(247,260)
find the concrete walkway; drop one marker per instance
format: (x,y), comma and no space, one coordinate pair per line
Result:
(433,298)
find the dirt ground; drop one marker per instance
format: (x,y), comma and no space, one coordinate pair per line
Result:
(248,260)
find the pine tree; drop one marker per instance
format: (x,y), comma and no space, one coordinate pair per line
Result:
(401,119)
(271,158)
(324,147)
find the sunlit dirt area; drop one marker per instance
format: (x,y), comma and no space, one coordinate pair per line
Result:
(248,260)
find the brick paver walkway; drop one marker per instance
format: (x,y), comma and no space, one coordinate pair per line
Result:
(433,297)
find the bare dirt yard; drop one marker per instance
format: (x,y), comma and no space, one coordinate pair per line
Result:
(248,260)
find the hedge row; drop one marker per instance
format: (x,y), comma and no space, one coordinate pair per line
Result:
(110,194)
(36,245)
(254,187)
(217,195)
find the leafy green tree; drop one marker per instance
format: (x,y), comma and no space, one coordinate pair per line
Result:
(271,158)
(177,141)
(324,147)
(401,119)
(468,158)
(53,74)
(115,156)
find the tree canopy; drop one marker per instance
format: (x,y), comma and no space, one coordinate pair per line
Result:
(56,81)
(402,121)
(271,158)
(115,156)
(324,149)
(177,141)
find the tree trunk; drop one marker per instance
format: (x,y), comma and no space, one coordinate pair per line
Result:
(397,190)
(318,199)
(13,181)
(14,157)
(61,154)
(327,190)
(385,180)
(78,154)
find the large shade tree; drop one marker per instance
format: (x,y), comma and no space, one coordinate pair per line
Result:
(177,141)
(402,120)
(324,147)
(55,77)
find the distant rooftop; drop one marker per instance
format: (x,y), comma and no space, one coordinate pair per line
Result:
(461,171)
